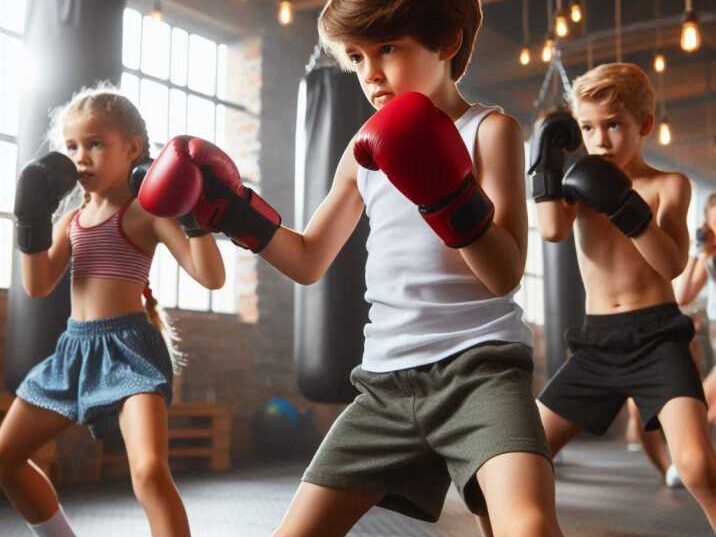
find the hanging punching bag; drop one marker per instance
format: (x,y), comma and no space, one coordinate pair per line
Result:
(71,43)
(330,314)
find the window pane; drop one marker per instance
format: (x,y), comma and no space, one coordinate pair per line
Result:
(163,277)
(200,118)
(130,87)
(535,300)
(154,105)
(131,34)
(180,56)
(177,113)
(6,240)
(10,54)
(222,76)
(202,65)
(155,48)
(238,134)
(534,253)
(8,172)
(192,296)
(246,284)
(224,300)
(12,15)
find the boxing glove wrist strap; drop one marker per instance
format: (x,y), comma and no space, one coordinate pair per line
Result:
(546,186)
(633,217)
(462,218)
(35,236)
(252,223)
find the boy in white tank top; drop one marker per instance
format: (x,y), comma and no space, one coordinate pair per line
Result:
(446,376)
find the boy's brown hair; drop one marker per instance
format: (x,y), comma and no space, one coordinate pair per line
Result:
(433,23)
(617,82)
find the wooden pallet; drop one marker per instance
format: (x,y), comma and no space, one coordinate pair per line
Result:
(44,457)
(196,431)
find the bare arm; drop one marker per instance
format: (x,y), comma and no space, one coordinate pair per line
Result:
(498,258)
(555,219)
(304,257)
(665,243)
(198,256)
(42,271)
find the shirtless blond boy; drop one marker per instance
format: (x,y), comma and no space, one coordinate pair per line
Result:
(632,240)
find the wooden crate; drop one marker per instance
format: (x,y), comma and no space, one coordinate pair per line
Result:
(44,457)
(196,431)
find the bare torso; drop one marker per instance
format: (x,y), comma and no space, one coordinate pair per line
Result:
(616,275)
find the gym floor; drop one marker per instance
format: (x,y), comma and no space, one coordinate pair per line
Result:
(602,491)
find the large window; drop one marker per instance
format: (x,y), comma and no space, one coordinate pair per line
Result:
(179,82)
(12,27)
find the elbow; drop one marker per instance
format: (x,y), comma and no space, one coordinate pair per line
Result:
(505,286)
(36,291)
(554,234)
(307,279)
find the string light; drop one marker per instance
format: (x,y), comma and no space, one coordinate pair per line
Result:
(285,13)
(548,50)
(690,31)
(659,63)
(575,12)
(664,131)
(525,57)
(561,26)
(156,12)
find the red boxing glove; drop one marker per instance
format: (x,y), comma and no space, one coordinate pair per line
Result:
(418,147)
(224,204)
(172,184)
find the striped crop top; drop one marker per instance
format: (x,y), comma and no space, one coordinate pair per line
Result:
(105,251)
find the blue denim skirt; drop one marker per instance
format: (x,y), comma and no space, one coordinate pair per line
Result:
(96,366)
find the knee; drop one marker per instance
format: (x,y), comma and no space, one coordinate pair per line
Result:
(149,475)
(697,468)
(534,523)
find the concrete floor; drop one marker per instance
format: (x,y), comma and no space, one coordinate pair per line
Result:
(602,491)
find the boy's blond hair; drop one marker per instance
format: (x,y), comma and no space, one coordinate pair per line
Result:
(625,83)
(435,24)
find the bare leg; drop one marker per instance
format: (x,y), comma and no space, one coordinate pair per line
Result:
(653,443)
(317,511)
(559,432)
(684,422)
(25,429)
(710,392)
(143,421)
(519,489)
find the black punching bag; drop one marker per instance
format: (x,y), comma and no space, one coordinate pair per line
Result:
(564,299)
(330,314)
(71,43)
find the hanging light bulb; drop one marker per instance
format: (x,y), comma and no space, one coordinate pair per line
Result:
(659,63)
(575,12)
(525,56)
(548,50)
(561,26)
(664,131)
(156,12)
(285,13)
(690,32)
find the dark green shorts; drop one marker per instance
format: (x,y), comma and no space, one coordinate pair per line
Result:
(409,432)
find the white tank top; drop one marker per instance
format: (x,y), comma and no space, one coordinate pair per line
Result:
(425,303)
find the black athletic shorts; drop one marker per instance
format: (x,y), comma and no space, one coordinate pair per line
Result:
(642,354)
